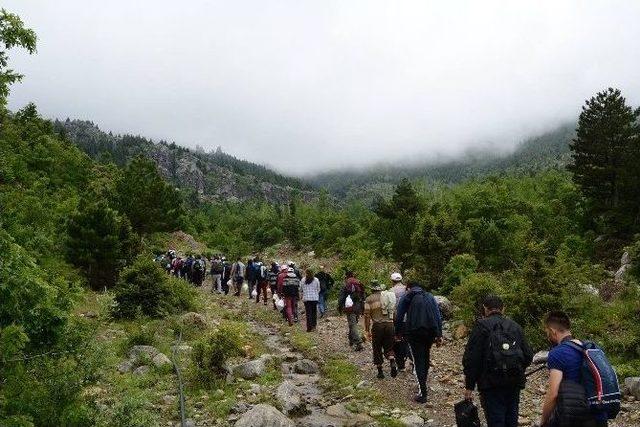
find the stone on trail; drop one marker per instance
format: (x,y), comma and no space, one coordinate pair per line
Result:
(126,366)
(263,415)
(141,370)
(290,399)
(160,361)
(252,369)
(139,350)
(460,332)
(194,319)
(631,387)
(412,420)
(305,366)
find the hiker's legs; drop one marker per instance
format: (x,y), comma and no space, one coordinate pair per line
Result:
(420,346)
(322,303)
(388,339)
(377,337)
(288,306)
(500,407)
(354,333)
(311,310)
(400,351)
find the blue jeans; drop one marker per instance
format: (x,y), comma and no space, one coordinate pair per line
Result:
(322,302)
(501,406)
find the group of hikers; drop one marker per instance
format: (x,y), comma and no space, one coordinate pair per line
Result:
(404,322)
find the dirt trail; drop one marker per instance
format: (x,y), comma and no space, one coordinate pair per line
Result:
(445,378)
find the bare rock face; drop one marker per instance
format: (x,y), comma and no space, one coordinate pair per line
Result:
(290,399)
(264,416)
(446,307)
(631,387)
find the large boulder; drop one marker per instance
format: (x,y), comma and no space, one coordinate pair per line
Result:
(622,271)
(305,366)
(290,399)
(446,307)
(253,368)
(626,259)
(264,416)
(160,360)
(631,387)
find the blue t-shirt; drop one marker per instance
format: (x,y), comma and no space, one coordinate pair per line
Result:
(568,360)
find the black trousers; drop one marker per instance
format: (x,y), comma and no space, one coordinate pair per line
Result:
(501,406)
(420,346)
(311,312)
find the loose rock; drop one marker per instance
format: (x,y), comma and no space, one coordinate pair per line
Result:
(264,416)
(305,366)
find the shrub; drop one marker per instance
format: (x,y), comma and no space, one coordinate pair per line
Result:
(468,296)
(458,268)
(211,353)
(145,289)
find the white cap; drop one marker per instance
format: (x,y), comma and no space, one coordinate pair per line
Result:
(396,277)
(290,270)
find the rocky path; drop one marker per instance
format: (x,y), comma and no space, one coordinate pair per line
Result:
(307,398)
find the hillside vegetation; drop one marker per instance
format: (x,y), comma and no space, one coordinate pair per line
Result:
(78,289)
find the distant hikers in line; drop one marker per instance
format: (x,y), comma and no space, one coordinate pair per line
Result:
(404,322)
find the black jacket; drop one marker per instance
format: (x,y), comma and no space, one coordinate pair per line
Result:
(475,355)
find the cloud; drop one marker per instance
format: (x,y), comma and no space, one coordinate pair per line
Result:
(305,86)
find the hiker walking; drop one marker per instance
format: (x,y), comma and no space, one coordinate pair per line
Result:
(351,303)
(583,386)
(310,288)
(379,309)
(400,347)
(272,279)
(226,275)
(422,329)
(217,268)
(199,269)
(262,280)
(495,359)
(237,275)
(326,283)
(290,286)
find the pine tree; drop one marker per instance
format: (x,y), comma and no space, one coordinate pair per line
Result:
(99,242)
(150,203)
(605,160)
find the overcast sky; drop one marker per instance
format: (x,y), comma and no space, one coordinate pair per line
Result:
(309,85)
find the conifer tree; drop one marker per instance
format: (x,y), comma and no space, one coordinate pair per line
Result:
(605,160)
(150,203)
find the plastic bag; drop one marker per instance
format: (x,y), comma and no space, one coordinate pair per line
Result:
(244,288)
(466,414)
(348,302)
(254,293)
(230,283)
(279,303)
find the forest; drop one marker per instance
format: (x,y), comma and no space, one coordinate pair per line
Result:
(79,220)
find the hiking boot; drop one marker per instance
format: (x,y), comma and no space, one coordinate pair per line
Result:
(420,399)
(394,369)
(380,374)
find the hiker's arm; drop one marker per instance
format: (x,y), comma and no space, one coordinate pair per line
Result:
(472,359)
(367,324)
(555,378)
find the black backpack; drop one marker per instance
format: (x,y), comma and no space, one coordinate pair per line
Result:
(466,414)
(504,357)
(572,408)
(216,267)
(419,319)
(198,265)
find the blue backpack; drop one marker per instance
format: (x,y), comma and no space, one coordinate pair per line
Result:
(599,379)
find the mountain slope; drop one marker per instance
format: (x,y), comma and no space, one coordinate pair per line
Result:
(213,176)
(548,150)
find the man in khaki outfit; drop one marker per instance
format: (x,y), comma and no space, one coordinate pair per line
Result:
(378,323)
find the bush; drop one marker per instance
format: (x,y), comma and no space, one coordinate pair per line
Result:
(468,296)
(211,353)
(145,289)
(458,268)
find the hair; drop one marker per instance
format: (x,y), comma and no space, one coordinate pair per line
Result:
(348,274)
(558,320)
(493,302)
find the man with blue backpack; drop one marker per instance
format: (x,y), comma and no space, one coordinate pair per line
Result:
(583,387)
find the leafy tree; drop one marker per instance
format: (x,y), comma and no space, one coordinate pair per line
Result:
(150,203)
(99,241)
(12,34)
(606,155)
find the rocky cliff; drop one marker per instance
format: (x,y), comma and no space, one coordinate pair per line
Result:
(210,175)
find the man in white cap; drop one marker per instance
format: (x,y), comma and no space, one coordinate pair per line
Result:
(400,347)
